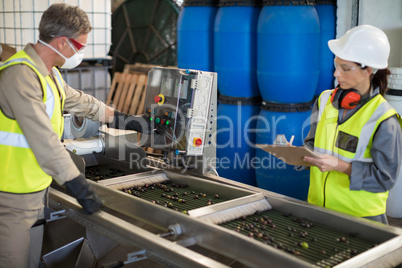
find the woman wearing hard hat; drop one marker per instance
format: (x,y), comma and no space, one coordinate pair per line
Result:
(357,133)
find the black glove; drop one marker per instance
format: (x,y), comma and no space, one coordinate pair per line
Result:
(130,122)
(82,191)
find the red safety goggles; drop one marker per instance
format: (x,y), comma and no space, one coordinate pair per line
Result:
(80,47)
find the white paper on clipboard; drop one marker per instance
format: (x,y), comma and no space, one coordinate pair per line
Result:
(291,155)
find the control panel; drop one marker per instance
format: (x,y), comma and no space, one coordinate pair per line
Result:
(179,105)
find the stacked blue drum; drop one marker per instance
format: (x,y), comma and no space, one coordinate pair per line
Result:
(236,137)
(287,73)
(326,10)
(195,34)
(271,173)
(235,61)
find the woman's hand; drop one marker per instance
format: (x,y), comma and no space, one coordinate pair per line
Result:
(328,162)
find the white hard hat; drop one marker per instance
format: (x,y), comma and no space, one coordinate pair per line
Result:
(364,44)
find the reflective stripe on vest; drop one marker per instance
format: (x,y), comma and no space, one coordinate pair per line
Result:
(331,189)
(19,169)
(19,140)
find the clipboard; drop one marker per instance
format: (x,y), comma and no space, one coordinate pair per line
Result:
(289,154)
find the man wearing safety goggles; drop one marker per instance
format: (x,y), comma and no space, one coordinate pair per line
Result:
(33,98)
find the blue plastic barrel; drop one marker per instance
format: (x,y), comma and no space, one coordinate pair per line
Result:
(271,173)
(235,47)
(195,32)
(326,10)
(235,138)
(288,52)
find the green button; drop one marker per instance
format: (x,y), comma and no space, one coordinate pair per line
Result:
(151,119)
(167,122)
(157,120)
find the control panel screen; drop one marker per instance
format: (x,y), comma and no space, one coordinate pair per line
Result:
(167,102)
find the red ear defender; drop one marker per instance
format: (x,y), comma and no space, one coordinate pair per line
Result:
(351,99)
(346,99)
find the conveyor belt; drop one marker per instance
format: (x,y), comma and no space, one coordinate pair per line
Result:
(179,197)
(312,242)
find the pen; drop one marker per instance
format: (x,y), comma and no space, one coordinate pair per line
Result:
(291,140)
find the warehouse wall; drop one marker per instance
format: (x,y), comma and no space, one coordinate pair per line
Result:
(384,14)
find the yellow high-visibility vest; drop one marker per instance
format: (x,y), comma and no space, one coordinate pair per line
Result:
(19,169)
(349,141)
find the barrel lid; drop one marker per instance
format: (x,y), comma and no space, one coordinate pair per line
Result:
(288,2)
(200,3)
(326,2)
(286,107)
(239,101)
(394,92)
(230,3)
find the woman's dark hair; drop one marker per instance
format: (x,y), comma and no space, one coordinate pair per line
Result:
(379,79)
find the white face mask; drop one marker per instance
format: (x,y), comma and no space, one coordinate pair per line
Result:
(73,61)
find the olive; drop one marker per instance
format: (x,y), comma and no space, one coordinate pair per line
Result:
(196,197)
(322,251)
(295,252)
(184,194)
(314,239)
(209,203)
(175,194)
(183,201)
(216,196)
(250,234)
(304,245)
(185,211)
(353,252)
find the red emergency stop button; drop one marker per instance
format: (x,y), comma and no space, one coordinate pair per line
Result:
(157,99)
(197,142)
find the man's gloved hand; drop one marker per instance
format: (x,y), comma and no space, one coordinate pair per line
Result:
(130,122)
(82,191)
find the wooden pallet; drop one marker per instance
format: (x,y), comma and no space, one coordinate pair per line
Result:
(127,92)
